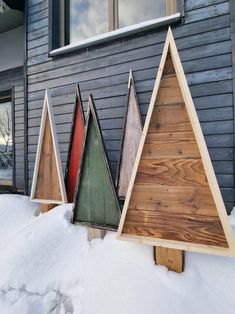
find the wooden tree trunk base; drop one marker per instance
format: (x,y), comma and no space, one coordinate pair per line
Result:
(95,233)
(171,258)
(44,208)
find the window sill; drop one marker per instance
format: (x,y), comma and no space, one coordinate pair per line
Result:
(122,32)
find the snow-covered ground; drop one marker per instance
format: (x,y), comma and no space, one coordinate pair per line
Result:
(48,266)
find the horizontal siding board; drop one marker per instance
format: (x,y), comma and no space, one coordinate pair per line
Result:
(222,140)
(223,167)
(192,4)
(207,12)
(36,16)
(37,51)
(38,25)
(38,42)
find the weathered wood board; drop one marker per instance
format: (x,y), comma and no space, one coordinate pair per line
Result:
(75,147)
(96,202)
(132,132)
(173,199)
(172,259)
(48,183)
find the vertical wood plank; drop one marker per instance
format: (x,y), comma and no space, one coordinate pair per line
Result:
(172,259)
(44,208)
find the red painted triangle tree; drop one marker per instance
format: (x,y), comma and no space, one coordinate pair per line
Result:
(75,147)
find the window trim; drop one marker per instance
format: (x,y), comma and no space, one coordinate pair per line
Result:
(116,34)
(59,25)
(8,95)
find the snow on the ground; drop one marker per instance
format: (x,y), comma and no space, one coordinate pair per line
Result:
(48,266)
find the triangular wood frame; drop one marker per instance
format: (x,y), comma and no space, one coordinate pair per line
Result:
(78,110)
(170,46)
(47,110)
(91,111)
(128,159)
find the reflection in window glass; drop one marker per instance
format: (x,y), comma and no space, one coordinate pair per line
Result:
(136,11)
(6,156)
(88,18)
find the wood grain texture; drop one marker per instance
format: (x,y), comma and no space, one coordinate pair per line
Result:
(170,193)
(179,227)
(172,259)
(183,172)
(131,139)
(47,186)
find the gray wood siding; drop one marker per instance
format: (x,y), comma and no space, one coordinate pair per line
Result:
(13,79)
(203,38)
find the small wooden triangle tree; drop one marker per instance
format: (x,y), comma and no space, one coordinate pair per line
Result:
(96,202)
(173,199)
(48,183)
(132,132)
(75,146)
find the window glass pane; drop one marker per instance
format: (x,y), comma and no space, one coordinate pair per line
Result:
(136,11)
(6,156)
(88,18)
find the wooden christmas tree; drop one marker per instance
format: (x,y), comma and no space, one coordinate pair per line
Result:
(96,203)
(48,183)
(173,200)
(132,132)
(75,147)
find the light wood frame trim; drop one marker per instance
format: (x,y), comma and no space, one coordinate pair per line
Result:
(47,108)
(171,7)
(171,46)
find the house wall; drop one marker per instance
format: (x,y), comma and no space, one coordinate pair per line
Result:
(203,38)
(13,79)
(12,48)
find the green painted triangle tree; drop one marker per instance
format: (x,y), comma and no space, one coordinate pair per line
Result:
(96,202)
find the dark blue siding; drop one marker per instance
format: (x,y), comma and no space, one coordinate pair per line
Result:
(203,38)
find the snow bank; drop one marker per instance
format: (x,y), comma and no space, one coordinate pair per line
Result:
(48,266)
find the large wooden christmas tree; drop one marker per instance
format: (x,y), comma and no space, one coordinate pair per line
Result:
(173,199)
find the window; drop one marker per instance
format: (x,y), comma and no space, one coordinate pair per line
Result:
(88,18)
(6,140)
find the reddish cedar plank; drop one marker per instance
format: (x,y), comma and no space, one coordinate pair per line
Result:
(173,199)
(169,91)
(171,145)
(179,227)
(172,118)
(47,187)
(75,154)
(183,172)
